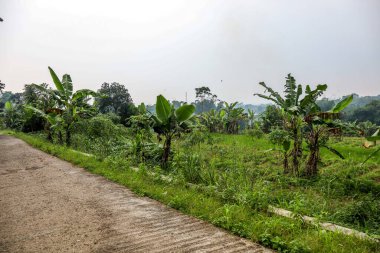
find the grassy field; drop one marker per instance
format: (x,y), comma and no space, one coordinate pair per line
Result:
(229,180)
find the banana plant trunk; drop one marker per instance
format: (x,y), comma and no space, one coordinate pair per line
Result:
(49,132)
(286,163)
(166,153)
(312,163)
(297,149)
(60,137)
(68,136)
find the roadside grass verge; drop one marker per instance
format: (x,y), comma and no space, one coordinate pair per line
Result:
(280,233)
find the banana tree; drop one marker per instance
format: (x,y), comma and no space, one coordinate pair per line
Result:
(213,120)
(54,122)
(251,118)
(319,127)
(12,116)
(295,109)
(232,117)
(170,122)
(70,105)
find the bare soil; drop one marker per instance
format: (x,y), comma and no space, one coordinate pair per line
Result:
(49,205)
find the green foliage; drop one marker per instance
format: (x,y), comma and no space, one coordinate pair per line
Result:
(170,122)
(280,137)
(99,136)
(205,100)
(213,120)
(68,107)
(233,115)
(369,112)
(364,212)
(163,109)
(342,104)
(238,198)
(12,116)
(255,132)
(271,118)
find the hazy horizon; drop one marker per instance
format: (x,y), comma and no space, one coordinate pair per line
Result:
(172,47)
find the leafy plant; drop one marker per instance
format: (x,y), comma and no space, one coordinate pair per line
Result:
(70,105)
(170,122)
(295,110)
(233,115)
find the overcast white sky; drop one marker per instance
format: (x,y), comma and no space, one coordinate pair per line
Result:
(171,47)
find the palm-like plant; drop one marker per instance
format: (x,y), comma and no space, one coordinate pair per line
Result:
(296,109)
(70,105)
(11,115)
(213,120)
(319,126)
(233,116)
(53,120)
(251,118)
(170,122)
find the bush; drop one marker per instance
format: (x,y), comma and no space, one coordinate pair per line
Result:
(100,136)
(363,213)
(255,133)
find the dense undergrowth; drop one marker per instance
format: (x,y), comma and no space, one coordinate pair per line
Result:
(229,180)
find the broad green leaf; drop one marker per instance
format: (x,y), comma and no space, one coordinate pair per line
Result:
(156,120)
(342,104)
(312,95)
(83,93)
(299,93)
(41,113)
(184,112)
(371,155)
(142,108)
(163,109)
(67,85)
(334,151)
(278,99)
(56,81)
(294,109)
(8,105)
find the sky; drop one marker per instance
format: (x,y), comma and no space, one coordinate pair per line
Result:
(172,47)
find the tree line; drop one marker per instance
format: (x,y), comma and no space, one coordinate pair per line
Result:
(297,117)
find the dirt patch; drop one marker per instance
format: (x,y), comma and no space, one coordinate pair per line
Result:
(48,205)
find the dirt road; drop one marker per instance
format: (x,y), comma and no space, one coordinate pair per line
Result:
(49,205)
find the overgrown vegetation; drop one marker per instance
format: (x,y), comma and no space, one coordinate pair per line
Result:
(224,164)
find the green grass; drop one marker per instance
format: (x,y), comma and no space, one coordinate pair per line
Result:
(339,194)
(249,178)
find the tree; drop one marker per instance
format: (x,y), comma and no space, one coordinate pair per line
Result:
(233,116)
(12,115)
(319,126)
(295,110)
(251,118)
(115,98)
(369,112)
(271,118)
(205,100)
(2,86)
(325,104)
(36,97)
(213,120)
(170,122)
(70,106)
